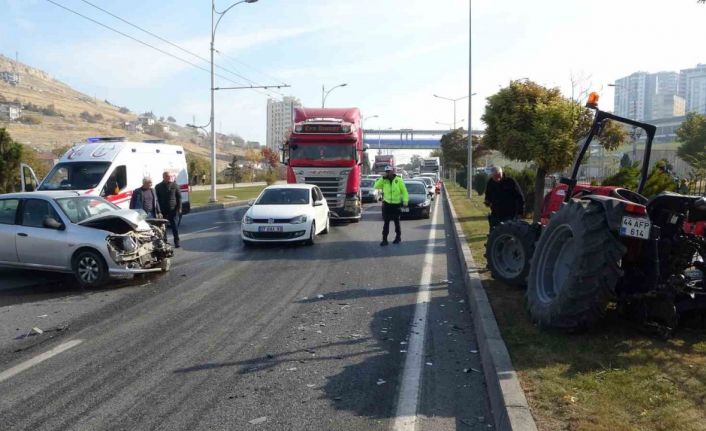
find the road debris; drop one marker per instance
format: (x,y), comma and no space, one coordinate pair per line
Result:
(35,331)
(430,364)
(258,421)
(468,370)
(381,382)
(292,369)
(42,316)
(319,296)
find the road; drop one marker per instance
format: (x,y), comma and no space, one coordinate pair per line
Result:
(272,338)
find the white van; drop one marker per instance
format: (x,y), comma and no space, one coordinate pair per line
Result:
(113,168)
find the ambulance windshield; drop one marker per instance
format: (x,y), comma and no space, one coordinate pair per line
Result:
(75,176)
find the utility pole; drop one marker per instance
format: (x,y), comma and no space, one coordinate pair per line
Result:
(469,171)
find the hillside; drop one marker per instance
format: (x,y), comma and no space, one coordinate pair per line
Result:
(62,122)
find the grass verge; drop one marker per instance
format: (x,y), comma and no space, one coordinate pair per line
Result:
(201,197)
(615,377)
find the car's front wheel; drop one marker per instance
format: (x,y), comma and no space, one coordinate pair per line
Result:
(90,268)
(312,235)
(328,225)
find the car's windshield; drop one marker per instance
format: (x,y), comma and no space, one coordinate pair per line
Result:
(75,176)
(322,152)
(284,196)
(426,180)
(367,183)
(416,188)
(80,208)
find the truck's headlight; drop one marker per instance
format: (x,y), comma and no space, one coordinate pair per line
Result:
(298,219)
(247,219)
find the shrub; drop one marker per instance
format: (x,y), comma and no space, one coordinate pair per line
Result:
(626,177)
(124,110)
(30,119)
(525,178)
(480,180)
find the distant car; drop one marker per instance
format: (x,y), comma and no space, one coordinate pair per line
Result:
(429,183)
(437,181)
(419,200)
(286,213)
(88,236)
(368,192)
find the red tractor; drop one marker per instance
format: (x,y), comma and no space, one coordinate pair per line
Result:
(601,244)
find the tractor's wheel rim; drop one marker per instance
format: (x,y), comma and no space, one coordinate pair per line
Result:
(555,265)
(88,269)
(508,256)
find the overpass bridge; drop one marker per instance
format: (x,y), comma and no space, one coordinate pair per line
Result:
(406,139)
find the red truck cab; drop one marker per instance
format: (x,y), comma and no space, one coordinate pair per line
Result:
(326,149)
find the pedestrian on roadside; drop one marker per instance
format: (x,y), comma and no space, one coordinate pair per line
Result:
(169,200)
(145,198)
(504,197)
(394,199)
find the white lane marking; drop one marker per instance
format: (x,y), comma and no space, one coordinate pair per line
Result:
(406,415)
(38,359)
(202,230)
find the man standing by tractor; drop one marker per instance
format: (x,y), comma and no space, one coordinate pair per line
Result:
(504,197)
(394,199)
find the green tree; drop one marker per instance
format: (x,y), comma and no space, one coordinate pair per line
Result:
(531,123)
(10,157)
(171,119)
(659,180)
(198,166)
(626,177)
(692,135)
(415,162)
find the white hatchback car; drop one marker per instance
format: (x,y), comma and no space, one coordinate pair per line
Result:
(286,213)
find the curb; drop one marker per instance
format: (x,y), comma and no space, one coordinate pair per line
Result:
(507,400)
(216,206)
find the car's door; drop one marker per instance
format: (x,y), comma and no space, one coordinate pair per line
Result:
(8,229)
(322,210)
(37,244)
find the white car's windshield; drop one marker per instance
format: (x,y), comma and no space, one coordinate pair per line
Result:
(75,176)
(80,208)
(284,196)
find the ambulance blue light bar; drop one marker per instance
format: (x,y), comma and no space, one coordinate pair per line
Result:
(106,139)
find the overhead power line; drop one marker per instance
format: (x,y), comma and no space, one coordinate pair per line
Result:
(141,42)
(168,42)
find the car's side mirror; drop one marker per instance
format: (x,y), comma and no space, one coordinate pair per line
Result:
(251,203)
(318,203)
(52,223)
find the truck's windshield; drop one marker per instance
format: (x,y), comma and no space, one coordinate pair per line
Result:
(322,152)
(75,176)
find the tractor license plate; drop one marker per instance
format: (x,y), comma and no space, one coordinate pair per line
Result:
(635,227)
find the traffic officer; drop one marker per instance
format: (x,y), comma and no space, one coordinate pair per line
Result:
(394,199)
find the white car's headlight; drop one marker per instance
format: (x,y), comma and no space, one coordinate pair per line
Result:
(298,219)
(247,219)
(425,203)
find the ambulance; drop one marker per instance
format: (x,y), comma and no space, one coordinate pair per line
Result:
(112,167)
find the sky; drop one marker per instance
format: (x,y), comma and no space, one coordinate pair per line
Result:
(392,54)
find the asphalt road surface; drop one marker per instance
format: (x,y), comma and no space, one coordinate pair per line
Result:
(336,336)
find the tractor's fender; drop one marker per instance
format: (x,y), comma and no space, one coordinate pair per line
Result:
(614,209)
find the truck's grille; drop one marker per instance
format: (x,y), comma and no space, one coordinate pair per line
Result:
(331,187)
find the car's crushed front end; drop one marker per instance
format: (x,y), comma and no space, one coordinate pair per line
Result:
(135,244)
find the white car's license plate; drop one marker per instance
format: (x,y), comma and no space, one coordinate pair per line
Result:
(635,227)
(270,228)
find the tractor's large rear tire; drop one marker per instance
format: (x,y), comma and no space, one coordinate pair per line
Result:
(575,268)
(509,249)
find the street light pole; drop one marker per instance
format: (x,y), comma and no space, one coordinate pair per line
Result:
(469,170)
(324,93)
(214,27)
(454,102)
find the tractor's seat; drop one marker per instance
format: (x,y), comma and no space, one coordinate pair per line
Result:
(675,202)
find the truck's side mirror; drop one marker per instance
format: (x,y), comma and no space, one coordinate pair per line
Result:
(366,147)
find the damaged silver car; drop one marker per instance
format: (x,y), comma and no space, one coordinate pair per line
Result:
(84,235)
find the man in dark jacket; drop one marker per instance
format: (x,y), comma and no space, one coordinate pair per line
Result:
(504,197)
(169,200)
(145,198)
